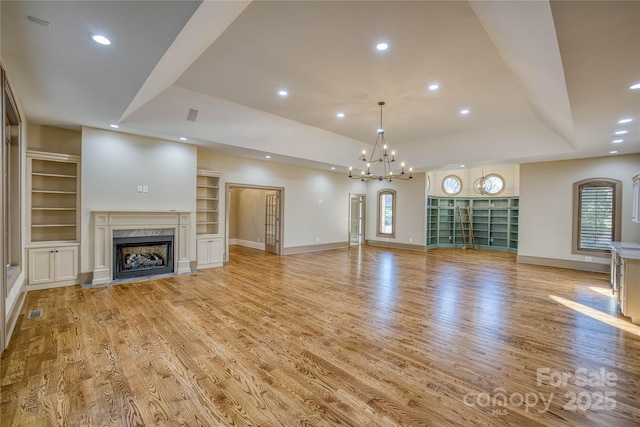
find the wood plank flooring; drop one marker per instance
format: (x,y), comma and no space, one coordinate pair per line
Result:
(356,337)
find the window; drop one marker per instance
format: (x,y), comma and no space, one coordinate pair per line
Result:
(596,215)
(451,185)
(11,206)
(386,213)
(493,184)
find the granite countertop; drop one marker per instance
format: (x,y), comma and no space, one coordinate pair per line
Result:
(628,250)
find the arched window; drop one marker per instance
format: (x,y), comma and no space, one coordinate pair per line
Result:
(386,213)
(596,215)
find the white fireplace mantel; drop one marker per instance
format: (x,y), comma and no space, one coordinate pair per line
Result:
(106,222)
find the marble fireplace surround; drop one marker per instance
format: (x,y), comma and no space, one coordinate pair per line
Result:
(121,223)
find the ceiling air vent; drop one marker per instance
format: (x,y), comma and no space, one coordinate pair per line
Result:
(192,115)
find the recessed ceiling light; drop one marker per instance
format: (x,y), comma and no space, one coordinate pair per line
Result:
(283,92)
(462,166)
(382,46)
(333,168)
(623,121)
(340,115)
(182,138)
(621,132)
(635,86)
(613,152)
(464,111)
(100,39)
(434,86)
(114,126)
(617,141)
(267,157)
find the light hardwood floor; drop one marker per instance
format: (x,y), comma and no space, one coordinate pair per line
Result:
(358,337)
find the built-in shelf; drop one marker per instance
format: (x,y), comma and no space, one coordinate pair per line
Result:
(53,202)
(53,209)
(207,203)
(494,220)
(209,239)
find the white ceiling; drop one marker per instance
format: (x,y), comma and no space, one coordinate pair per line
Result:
(543,81)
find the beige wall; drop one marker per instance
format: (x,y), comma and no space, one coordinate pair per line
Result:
(510,174)
(316,202)
(55,140)
(248,216)
(410,210)
(115,163)
(546,203)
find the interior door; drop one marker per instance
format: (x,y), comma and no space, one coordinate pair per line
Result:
(272,223)
(356,219)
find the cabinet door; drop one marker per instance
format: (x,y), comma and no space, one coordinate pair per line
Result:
(202,252)
(215,249)
(66,263)
(41,265)
(209,252)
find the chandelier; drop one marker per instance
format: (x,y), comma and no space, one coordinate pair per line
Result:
(379,162)
(487,185)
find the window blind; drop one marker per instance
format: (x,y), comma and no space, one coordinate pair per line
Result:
(596,217)
(386,214)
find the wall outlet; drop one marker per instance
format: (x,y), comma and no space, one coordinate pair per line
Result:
(410,240)
(588,259)
(139,188)
(317,240)
(145,188)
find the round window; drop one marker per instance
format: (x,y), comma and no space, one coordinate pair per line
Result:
(451,185)
(493,184)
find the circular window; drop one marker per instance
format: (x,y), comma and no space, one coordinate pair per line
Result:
(493,184)
(451,185)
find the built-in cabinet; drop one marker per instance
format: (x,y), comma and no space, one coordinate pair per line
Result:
(57,265)
(53,188)
(625,278)
(209,252)
(209,236)
(494,220)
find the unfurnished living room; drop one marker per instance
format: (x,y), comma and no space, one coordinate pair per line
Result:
(320,213)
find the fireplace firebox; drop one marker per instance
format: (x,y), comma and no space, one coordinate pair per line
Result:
(135,256)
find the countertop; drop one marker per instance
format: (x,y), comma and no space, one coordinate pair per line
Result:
(628,250)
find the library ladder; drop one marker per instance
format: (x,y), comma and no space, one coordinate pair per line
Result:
(467,227)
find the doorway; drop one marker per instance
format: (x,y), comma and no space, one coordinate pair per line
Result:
(254,217)
(356,219)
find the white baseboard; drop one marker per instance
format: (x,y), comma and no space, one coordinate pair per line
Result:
(247,244)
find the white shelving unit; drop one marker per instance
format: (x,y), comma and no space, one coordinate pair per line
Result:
(209,235)
(53,215)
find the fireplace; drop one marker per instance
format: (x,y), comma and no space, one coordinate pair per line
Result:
(136,256)
(159,241)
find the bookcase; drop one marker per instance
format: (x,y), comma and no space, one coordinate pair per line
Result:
(495,222)
(53,215)
(209,231)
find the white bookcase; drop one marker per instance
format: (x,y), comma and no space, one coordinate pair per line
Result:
(209,224)
(53,215)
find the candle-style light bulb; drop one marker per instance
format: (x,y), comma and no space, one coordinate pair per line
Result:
(393,156)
